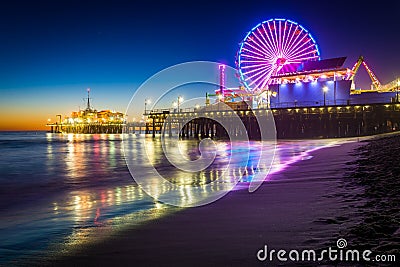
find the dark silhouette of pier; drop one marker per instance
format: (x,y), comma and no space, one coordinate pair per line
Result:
(296,122)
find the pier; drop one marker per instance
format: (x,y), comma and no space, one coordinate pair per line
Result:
(89,121)
(296,122)
(86,128)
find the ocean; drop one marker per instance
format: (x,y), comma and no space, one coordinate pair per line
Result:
(59,192)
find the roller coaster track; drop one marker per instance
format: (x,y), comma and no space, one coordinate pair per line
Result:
(393,86)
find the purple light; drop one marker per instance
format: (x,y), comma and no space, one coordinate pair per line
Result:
(271,45)
(221,78)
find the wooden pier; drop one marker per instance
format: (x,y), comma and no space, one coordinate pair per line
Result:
(300,122)
(86,128)
(89,121)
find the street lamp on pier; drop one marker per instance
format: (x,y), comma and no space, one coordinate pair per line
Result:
(397,91)
(180,100)
(325,89)
(146,101)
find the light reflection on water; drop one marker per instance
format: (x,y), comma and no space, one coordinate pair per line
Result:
(59,190)
(179,185)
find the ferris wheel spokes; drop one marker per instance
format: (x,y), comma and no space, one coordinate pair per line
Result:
(271,45)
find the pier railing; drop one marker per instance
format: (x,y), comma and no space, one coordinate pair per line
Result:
(340,120)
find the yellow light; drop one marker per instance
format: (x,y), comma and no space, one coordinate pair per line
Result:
(325,89)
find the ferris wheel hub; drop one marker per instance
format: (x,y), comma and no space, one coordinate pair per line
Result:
(281,61)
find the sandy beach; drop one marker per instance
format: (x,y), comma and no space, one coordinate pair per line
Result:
(306,206)
(377,173)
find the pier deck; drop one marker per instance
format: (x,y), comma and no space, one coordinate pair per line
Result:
(299,122)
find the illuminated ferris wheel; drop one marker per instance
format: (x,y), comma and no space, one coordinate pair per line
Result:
(271,45)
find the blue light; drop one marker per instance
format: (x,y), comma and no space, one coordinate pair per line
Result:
(303,28)
(247,35)
(255,28)
(253,31)
(239,62)
(319,55)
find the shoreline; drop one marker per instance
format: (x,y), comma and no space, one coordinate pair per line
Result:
(289,212)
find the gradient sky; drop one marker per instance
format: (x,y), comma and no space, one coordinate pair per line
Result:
(51,51)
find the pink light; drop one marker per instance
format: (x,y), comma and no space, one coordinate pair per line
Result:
(221,78)
(269,47)
(264,44)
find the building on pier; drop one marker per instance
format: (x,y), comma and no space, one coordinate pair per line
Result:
(331,121)
(316,99)
(89,121)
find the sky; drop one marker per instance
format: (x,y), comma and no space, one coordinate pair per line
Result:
(51,51)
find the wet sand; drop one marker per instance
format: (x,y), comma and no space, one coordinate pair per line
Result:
(306,206)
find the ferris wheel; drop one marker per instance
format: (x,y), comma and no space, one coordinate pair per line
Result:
(271,45)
